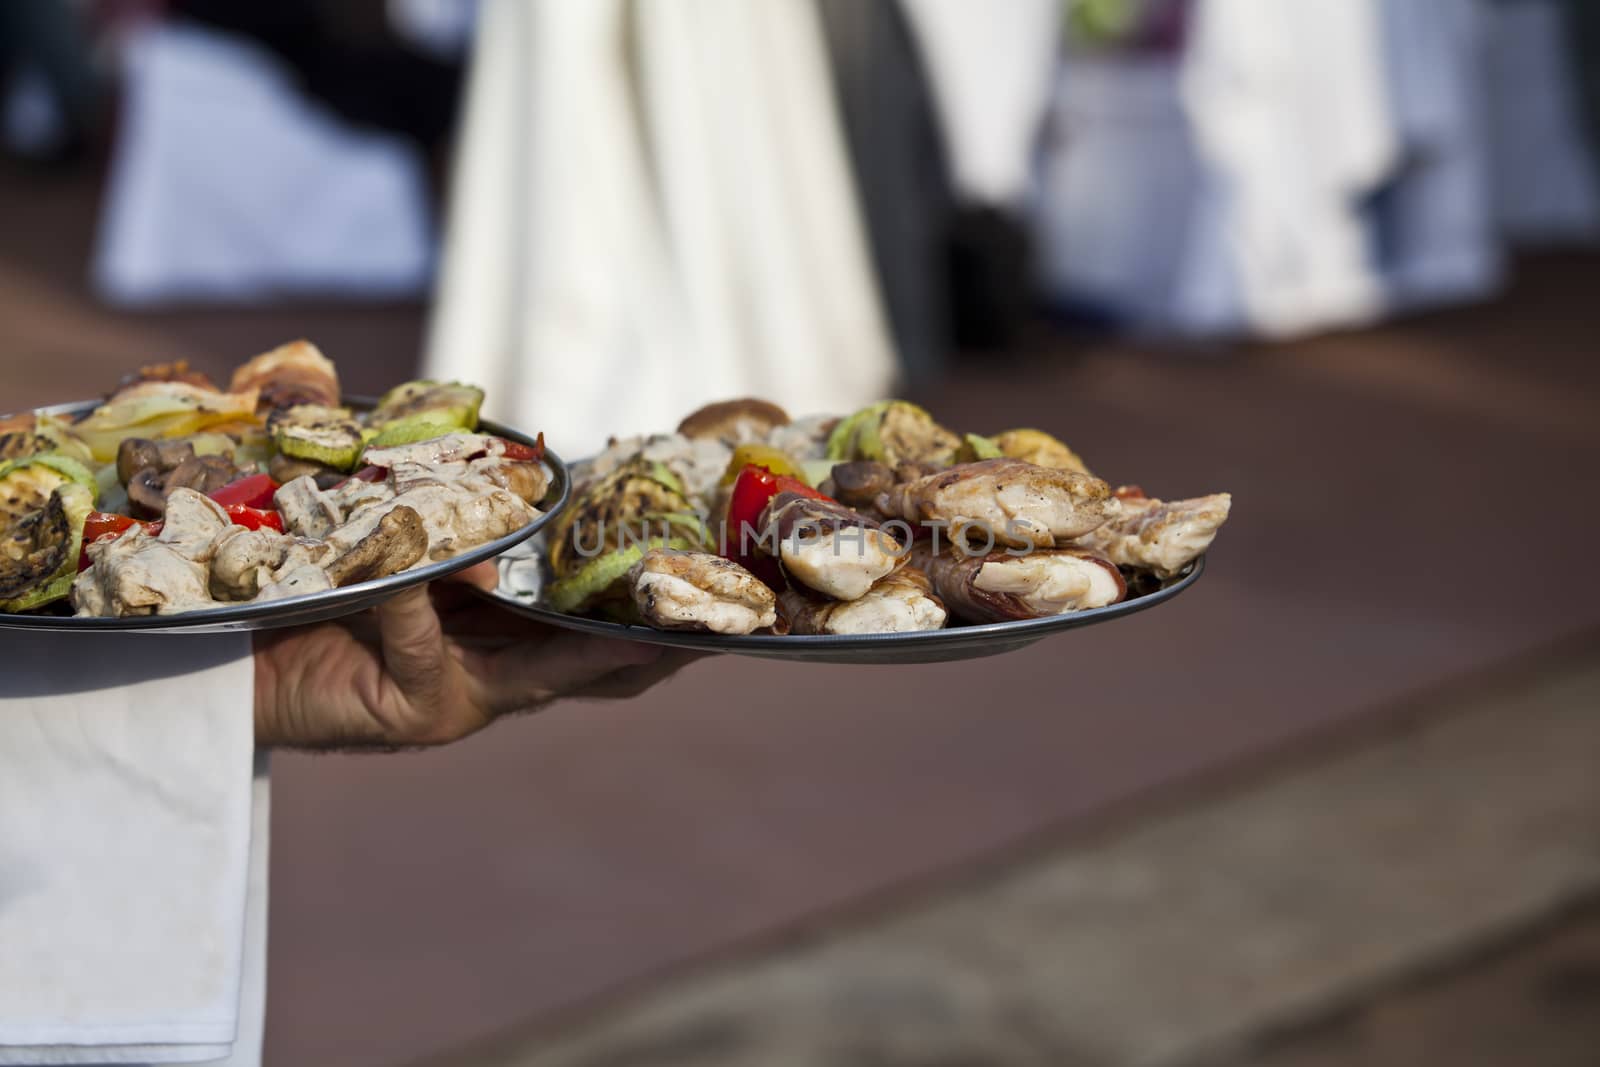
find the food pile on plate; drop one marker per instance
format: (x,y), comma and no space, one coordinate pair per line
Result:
(174,495)
(746,521)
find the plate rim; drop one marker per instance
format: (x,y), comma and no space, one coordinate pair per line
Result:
(324,604)
(1025,630)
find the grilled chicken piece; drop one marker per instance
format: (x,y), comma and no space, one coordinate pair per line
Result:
(827,547)
(307,510)
(192,524)
(698,591)
(1001,587)
(242,561)
(1017,503)
(1160,536)
(902,602)
(137,574)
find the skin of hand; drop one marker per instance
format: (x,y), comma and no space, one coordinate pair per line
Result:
(430,666)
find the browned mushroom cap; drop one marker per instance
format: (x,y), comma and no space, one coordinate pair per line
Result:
(136,454)
(203,474)
(147,494)
(858,483)
(398,541)
(734,420)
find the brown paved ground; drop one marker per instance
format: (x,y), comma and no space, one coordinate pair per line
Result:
(1369,903)
(1411,502)
(1531,1003)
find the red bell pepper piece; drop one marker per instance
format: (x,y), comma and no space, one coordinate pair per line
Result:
(101,523)
(753,489)
(108,526)
(255,518)
(519,452)
(253,490)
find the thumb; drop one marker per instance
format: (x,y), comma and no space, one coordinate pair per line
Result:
(412,643)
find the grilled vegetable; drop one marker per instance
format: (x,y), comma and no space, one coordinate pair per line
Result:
(161,409)
(975,446)
(638,500)
(1038,448)
(893,431)
(26,484)
(602,578)
(19,444)
(414,428)
(317,434)
(452,404)
(765,457)
(43,433)
(39,551)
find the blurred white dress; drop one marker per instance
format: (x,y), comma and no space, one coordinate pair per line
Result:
(651,209)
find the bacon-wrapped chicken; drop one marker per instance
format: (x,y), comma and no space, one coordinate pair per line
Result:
(1159,536)
(901,602)
(1001,587)
(1017,504)
(828,548)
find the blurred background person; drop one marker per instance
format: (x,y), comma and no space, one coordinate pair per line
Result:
(652,208)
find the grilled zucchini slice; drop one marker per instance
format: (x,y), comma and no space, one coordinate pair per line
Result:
(26,484)
(317,434)
(39,550)
(450,403)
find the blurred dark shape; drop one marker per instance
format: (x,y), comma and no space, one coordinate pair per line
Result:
(348,56)
(1583,26)
(991,279)
(45,56)
(902,175)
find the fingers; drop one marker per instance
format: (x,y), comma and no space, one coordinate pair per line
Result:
(530,674)
(634,681)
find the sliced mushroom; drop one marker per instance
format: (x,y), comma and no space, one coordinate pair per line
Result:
(148,493)
(136,454)
(398,541)
(734,421)
(204,474)
(858,483)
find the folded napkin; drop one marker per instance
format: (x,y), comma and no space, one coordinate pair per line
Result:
(132,837)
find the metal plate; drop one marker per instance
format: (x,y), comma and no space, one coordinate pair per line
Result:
(522,576)
(313,607)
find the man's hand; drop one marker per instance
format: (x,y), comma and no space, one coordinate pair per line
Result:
(411,676)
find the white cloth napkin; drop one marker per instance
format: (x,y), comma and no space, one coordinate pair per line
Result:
(132,835)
